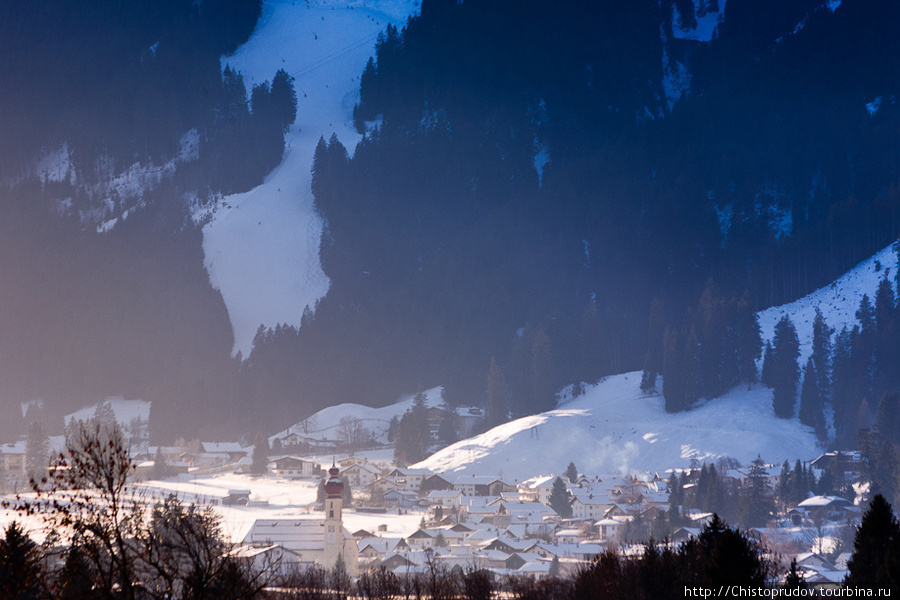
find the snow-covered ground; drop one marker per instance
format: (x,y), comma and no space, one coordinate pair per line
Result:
(325,424)
(262,246)
(615,428)
(125,411)
(285,498)
(838,301)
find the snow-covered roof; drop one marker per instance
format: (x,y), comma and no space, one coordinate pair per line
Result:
(817,501)
(229,447)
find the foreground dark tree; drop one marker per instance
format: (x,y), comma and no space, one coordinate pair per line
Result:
(876,548)
(21,574)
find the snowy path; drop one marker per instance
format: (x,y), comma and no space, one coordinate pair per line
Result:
(262,246)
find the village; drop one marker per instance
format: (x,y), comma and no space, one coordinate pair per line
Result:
(353,504)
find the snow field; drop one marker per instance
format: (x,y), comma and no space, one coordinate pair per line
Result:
(262,246)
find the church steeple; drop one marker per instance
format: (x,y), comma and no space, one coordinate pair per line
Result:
(334,527)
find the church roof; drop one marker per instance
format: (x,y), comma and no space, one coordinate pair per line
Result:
(293,534)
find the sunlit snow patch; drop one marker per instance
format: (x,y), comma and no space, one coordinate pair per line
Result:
(262,246)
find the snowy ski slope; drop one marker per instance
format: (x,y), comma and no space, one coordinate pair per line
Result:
(262,246)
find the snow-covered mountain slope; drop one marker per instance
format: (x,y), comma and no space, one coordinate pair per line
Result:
(838,301)
(262,246)
(615,428)
(325,424)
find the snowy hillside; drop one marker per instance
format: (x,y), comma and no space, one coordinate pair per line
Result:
(325,424)
(614,428)
(838,301)
(262,246)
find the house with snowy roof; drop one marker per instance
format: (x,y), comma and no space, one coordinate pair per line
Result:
(291,467)
(537,489)
(361,474)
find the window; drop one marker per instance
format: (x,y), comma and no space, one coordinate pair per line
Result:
(330,514)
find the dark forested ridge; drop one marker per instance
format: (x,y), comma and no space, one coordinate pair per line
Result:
(130,312)
(540,186)
(772,174)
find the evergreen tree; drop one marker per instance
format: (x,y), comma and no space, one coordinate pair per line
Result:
(393,424)
(448,427)
(783,490)
(75,580)
(21,575)
(785,372)
(413,435)
(795,579)
(846,390)
(756,503)
(571,473)
(821,355)
(885,474)
(284,99)
(863,351)
(876,548)
(811,402)
(721,555)
(160,467)
(749,340)
(260,460)
(559,499)
(887,339)
(887,418)
(554,567)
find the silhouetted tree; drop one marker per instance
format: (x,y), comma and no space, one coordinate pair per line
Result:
(876,549)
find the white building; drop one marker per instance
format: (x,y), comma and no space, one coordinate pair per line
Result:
(314,541)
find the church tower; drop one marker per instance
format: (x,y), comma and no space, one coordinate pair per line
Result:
(334,527)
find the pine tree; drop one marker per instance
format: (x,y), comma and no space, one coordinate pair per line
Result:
(160,468)
(821,355)
(284,99)
(20,566)
(887,418)
(260,460)
(448,427)
(795,579)
(749,340)
(571,472)
(845,395)
(876,548)
(811,403)
(413,435)
(559,499)
(75,579)
(785,372)
(884,480)
(756,503)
